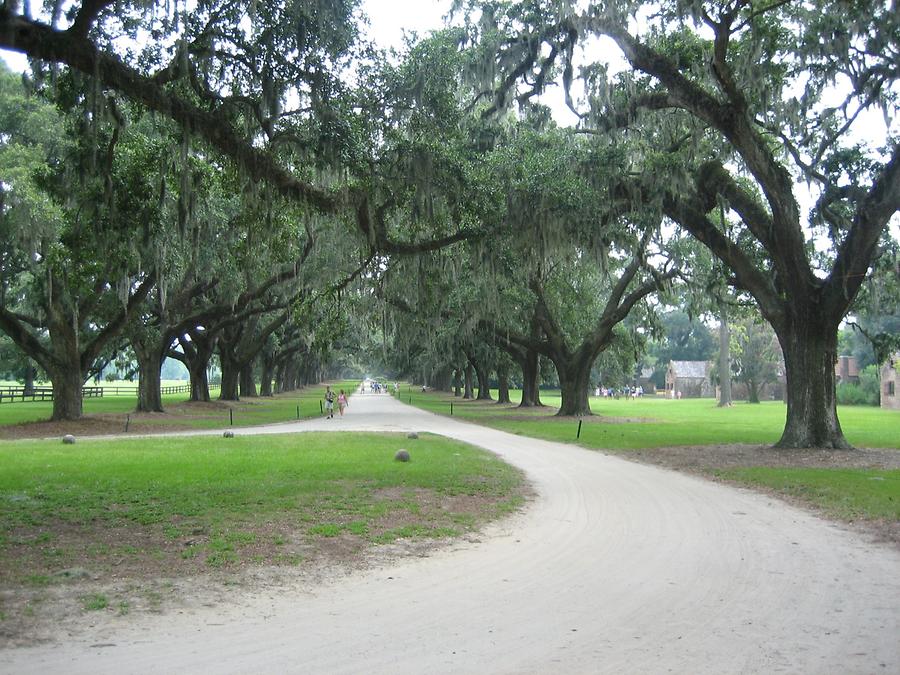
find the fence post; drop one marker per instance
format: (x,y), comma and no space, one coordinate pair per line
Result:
(578,435)
(451,408)
(231,416)
(321,409)
(298,412)
(127,422)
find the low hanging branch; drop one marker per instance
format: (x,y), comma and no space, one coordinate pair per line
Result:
(74,49)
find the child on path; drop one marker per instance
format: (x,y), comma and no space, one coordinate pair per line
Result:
(342,402)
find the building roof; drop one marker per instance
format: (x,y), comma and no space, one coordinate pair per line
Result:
(688,368)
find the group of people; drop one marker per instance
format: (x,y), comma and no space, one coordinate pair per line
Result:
(627,391)
(341,398)
(377,387)
(330,398)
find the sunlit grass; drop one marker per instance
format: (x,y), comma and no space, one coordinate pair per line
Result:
(220,501)
(246,412)
(651,422)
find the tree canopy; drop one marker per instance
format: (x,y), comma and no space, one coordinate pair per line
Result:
(258,181)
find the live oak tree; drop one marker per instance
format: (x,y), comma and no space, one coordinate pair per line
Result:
(770,92)
(76,216)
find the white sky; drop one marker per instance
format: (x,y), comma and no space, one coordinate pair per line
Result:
(389,18)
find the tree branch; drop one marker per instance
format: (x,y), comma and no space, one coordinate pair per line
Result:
(40,41)
(855,253)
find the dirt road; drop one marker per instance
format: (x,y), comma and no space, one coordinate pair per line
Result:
(615,567)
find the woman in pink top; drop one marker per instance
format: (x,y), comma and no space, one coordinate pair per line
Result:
(342,402)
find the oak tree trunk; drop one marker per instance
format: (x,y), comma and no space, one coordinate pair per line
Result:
(199,380)
(810,352)
(484,385)
(65,374)
(247,381)
(574,384)
(67,384)
(502,385)
(468,393)
(231,373)
(531,372)
(752,391)
(149,385)
(268,374)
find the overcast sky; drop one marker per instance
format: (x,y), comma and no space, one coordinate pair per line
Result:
(389,18)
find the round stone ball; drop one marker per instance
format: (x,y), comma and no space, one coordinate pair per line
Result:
(412,434)
(228,434)
(402,456)
(68,439)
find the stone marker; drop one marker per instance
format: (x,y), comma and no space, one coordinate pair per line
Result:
(68,439)
(412,434)
(228,434)
(402,455)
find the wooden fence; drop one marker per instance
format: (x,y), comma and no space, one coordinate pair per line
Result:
(19,395)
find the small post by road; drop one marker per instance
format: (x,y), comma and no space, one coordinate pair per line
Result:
(410,400)
(298,412)
(451,408)
(321,409)
(127,422)
(231,416)
(578,435)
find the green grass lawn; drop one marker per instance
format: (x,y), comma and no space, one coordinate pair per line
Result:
(846,494)
(246,412)
(200,503)
(654,422)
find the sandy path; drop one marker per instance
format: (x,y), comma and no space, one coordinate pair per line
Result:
(616,567)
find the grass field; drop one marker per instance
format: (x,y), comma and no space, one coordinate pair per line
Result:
(652,422)
(846,494)
(246,412)
(204,503)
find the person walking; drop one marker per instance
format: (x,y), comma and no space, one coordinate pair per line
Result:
(342,402)
(329,402)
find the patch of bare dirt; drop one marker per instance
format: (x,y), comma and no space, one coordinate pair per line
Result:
(706,460)
(58,580)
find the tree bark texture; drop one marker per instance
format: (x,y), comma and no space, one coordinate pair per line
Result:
(247,381)
(231,374)
(67,386)
(810,353)
(502,384)
(149,384)
(268,374)
(469,375)
(483,376)
(574,384)
(531,378)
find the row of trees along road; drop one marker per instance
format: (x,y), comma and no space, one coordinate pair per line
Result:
(736,102)
(217,180)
